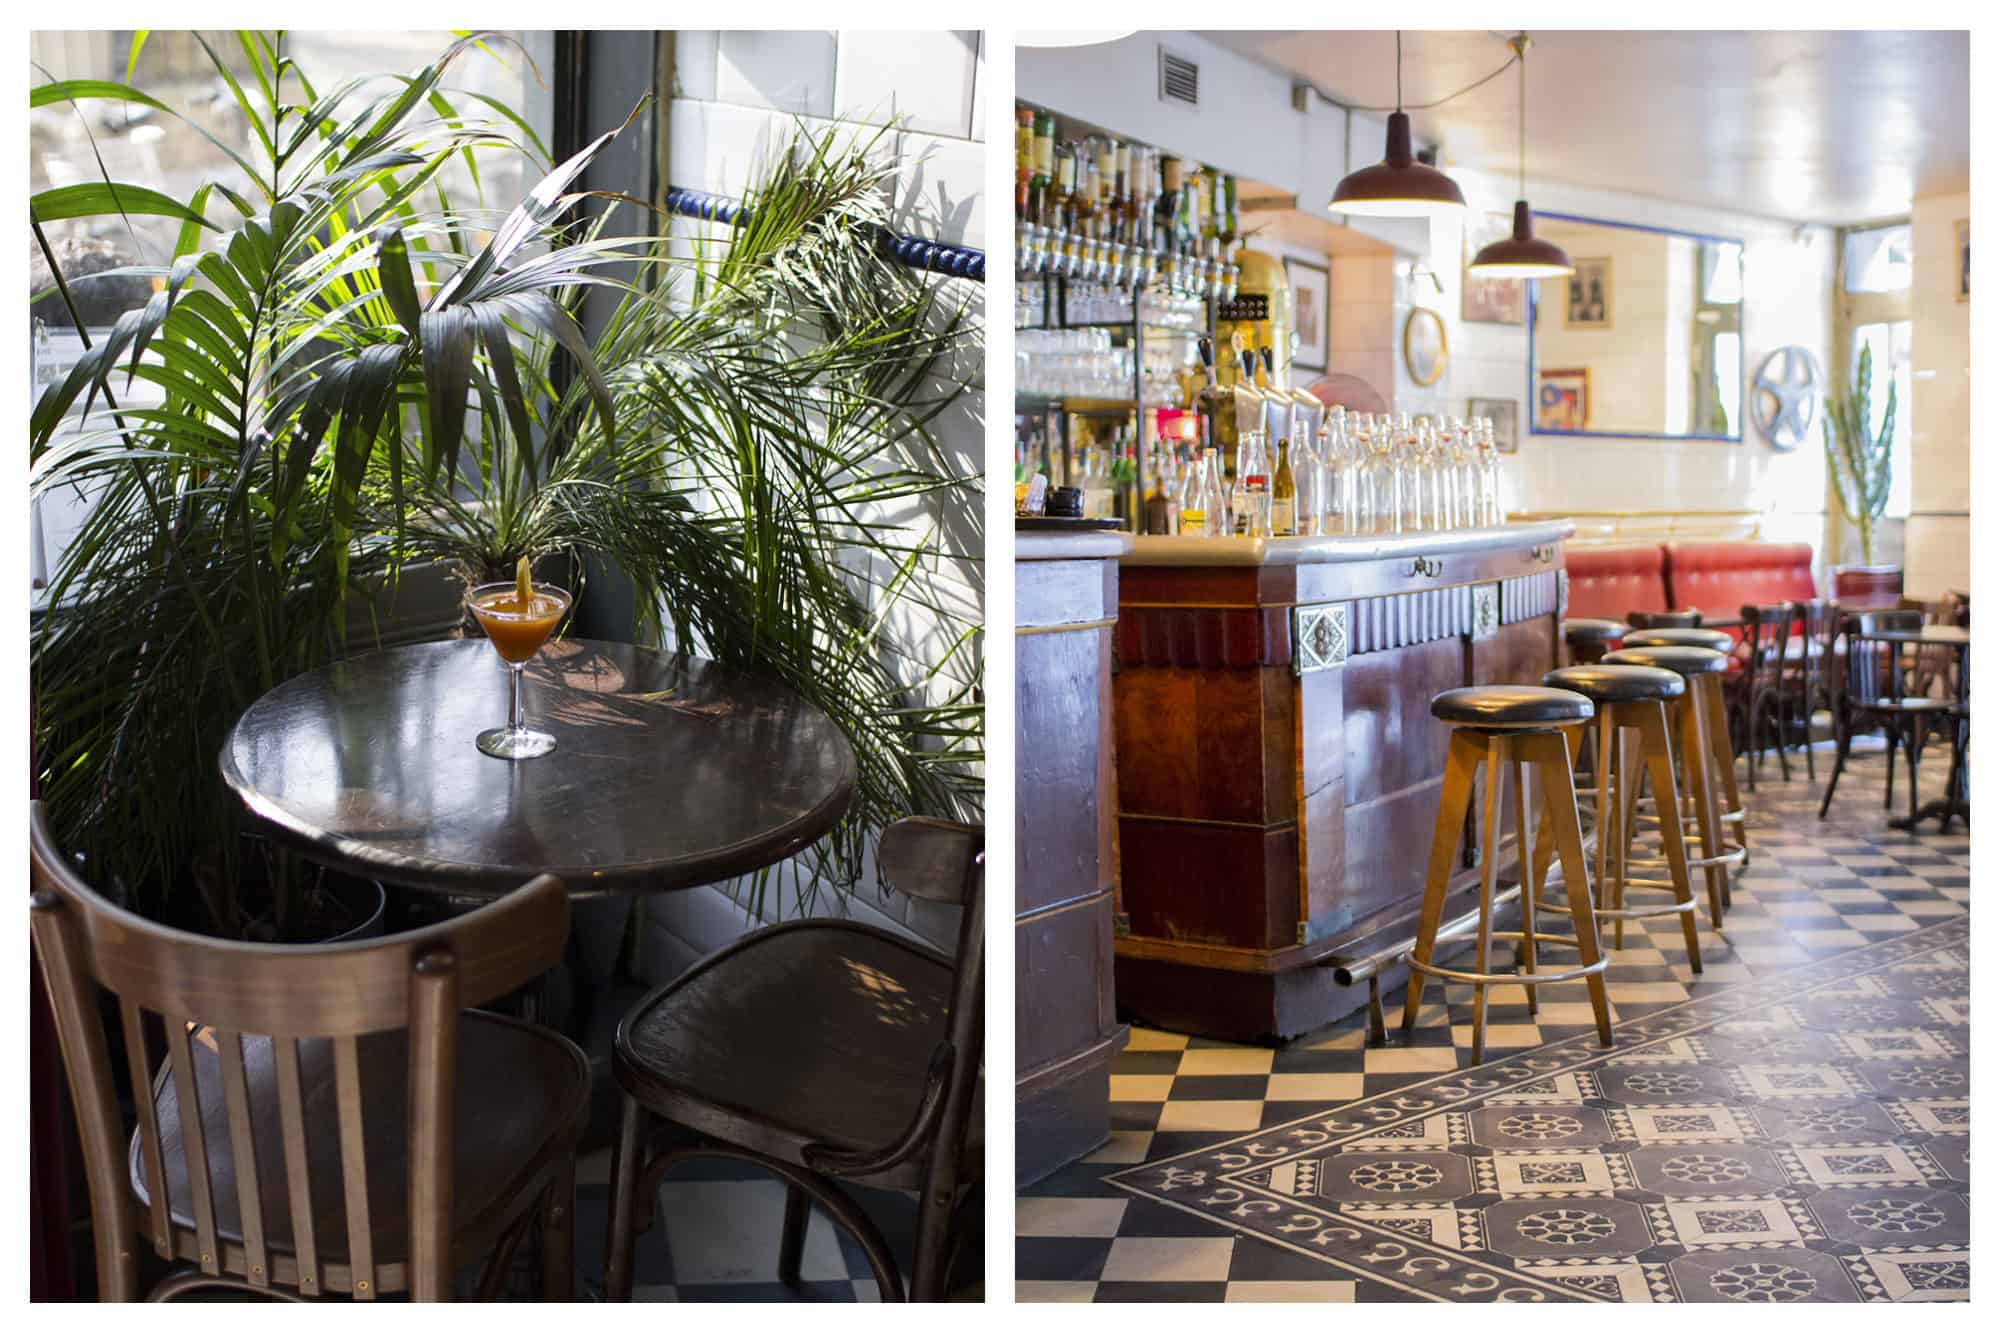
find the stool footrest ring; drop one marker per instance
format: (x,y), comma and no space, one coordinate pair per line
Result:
(1509,978)
(1630,913)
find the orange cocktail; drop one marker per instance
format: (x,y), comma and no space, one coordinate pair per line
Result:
(518,630)
(518,618)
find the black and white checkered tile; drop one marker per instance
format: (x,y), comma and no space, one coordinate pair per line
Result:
(1813,890)
(715,1238)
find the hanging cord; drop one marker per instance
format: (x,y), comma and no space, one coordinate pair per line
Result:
(1481,82)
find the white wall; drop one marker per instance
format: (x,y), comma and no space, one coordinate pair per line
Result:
(1788,287)
(735,95)
(1937,555)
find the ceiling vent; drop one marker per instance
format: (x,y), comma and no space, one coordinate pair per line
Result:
(1180,79)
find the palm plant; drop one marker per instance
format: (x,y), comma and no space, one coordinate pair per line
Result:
(355,379)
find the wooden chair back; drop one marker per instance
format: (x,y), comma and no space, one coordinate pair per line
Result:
(1872,673)
(236,995)
(941,862)
(1767,633)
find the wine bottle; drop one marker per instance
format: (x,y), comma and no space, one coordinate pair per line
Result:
(1284,496)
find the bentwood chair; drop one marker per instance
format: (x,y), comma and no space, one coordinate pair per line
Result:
(1875,689)
(326,1119)
(824,1051)
(1809,680)
(1762,702)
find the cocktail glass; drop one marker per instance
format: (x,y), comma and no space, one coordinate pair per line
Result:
(517,633)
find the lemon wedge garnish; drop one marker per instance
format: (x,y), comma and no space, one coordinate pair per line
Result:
(524,583)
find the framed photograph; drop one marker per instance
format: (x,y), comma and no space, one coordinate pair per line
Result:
(1490,300)
(1505,414)
(1963,230)
(1311,294)
(1589,305)
(1562,400)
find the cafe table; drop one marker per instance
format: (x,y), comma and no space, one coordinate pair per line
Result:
(1955,803)
(669,771)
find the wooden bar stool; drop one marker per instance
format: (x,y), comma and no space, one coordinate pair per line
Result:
(1508,727)
(1631,704)
(1700,668)
(1729,799)
(1590,639)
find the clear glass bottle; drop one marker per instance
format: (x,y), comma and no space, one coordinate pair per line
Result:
(1492,513)
(1250,494)
(1192,520)
(1214,505)
(1413,442)
(1385,481)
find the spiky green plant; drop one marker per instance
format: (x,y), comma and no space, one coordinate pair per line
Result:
(727,442)
(1860,466)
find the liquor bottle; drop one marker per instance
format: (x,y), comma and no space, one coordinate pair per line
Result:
(1041,184)
(1109,193)
(1166,208)
(1250,494)
(1024,158)
(1284,496)
(1226,226)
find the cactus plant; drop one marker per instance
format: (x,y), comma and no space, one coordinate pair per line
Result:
(1860,466)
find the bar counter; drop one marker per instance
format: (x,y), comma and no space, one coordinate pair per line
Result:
(1066,1028)
(1278,768)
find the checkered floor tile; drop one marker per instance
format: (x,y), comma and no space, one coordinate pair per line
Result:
(1324,1170)
(715,1238)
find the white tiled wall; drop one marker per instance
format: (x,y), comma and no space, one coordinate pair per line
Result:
(1937,555)
(736,95)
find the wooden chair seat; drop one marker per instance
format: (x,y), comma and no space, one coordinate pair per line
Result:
(523,1093)
(814,1032)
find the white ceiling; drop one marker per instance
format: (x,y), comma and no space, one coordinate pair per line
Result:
(1829,127)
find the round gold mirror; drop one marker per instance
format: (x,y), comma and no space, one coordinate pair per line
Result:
(1425,349)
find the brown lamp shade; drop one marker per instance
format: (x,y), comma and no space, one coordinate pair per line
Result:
(1398,186)
(1522,255)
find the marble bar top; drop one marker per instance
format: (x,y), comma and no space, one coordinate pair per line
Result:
(1073,545)
(1248,552)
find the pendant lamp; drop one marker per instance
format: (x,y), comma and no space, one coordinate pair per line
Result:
(1398,186)
(1522,255)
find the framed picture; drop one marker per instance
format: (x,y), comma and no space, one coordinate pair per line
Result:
(1589,305)
(1490,300)
(1311,294)
(1425,348)
(1505,413)
(1562,400)
(1963,230)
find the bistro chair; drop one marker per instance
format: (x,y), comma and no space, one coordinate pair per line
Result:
(1761,695)
(1810,676)
(1875,690)
(360,1131)
(824,1051)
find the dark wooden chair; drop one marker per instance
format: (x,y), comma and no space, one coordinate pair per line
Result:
(1874,690)
(1761,702)
(1663,619)
(1811,674)
(823,1051)
(357,1133)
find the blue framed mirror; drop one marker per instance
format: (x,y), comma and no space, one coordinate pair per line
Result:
(1644,340)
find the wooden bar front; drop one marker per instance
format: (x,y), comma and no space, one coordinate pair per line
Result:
(1278,768)
(1066,1029)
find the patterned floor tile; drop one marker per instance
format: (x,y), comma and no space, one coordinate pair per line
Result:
(1789,1125)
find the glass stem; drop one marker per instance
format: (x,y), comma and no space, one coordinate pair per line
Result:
(517,715)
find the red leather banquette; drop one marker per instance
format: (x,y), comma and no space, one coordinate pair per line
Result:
(1605,582)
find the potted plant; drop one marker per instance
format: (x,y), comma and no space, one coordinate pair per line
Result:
(357,380)
(1859,465)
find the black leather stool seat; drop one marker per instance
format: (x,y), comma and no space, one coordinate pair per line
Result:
(1502,706)
(1594,631)
(1688,661)
(1610,684)
(1680,638)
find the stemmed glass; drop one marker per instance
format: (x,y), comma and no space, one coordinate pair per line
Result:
(517,629)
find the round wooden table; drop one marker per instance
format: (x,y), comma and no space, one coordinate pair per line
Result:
(669,771)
